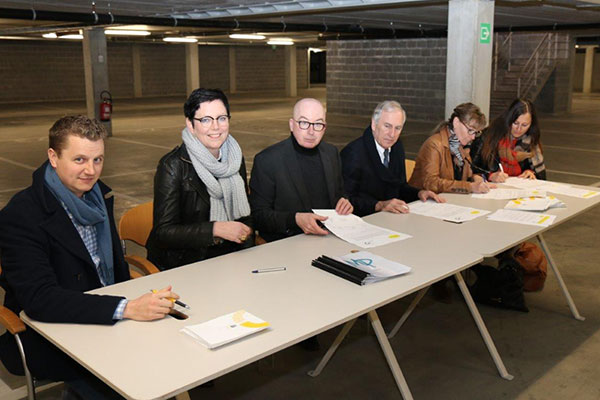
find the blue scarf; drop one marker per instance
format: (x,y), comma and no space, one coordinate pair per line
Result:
(90,209)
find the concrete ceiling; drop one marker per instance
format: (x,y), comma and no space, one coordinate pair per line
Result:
(304,20)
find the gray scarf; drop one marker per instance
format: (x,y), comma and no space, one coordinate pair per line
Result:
(228,200)
(455,147)
(537,159)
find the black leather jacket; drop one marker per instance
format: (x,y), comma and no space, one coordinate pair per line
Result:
(182,232)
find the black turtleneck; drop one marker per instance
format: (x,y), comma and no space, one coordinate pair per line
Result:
(313,174)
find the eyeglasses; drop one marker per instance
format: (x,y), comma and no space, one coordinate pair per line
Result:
(471,131)
(317,126)
(207,121)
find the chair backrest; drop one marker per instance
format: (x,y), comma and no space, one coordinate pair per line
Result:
(409,166)
(136,224)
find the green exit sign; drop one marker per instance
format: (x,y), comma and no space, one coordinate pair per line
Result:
(485,33)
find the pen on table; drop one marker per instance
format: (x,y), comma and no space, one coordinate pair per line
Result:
(275,269)
(179,303)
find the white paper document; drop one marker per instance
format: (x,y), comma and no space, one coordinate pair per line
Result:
(534,203)
(554,187)
(507,194)
(377,267)
(522,217)
(445,211)
(225,329)
(354,230)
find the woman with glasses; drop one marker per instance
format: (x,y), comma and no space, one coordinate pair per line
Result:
(511,145)
(443,163)
(201,208)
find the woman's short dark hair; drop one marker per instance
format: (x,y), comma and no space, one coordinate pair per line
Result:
(501,127)
(202,95)
(76,125)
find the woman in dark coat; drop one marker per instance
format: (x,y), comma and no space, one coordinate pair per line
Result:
(201,207)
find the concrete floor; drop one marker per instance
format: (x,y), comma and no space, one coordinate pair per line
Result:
(551,355)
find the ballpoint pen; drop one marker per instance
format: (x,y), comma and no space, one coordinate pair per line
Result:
(179,303)
(501,169)
(275,269)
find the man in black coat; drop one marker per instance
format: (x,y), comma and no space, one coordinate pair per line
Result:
(57,240)
(373,166)
(296,175)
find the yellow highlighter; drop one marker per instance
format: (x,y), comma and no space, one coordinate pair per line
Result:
(179,303)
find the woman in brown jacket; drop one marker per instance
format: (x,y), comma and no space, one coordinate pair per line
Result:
(443,163)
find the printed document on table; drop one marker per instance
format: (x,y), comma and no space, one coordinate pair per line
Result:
(534,203)
(507,194)
(445,211)
(354,230)
(554,187)
(225,329)
(377,267)
(522,217)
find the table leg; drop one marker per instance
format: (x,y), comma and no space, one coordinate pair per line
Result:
(561,283)
(482,328)
(408,311)
(183,396)
(389,355)
(336,343)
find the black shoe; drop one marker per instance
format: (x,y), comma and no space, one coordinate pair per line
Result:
(310,344)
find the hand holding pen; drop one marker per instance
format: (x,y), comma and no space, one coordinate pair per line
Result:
(151,306)
(173,299)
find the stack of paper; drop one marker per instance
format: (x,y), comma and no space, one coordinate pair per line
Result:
(225,329)
(534,203)
(354,230)
(522,217)
(446,211)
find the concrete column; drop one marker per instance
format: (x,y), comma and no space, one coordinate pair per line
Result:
(291,81)
(588,69)
(95,66)
(137,70)
(308,55)
(232,70)
(192,67)
(469,59)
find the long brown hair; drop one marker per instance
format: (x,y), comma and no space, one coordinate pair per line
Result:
(501,127)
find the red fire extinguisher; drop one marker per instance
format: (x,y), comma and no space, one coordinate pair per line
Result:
(105,105)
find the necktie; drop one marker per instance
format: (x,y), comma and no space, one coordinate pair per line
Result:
(386,157)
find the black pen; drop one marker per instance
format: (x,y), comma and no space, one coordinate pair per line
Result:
(179,303)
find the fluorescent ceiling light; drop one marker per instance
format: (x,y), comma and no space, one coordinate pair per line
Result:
(51,35)
(123,32)
(180,40)
(280,42)
(247,36)
(14,37)
(72,37)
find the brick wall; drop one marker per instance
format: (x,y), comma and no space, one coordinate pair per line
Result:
(214,67)
(555,97)
(362,73)
(260,68)
(163,69)
(120,69)
(302,68)
(38,71)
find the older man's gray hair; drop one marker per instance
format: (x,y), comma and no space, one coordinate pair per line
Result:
(388,105)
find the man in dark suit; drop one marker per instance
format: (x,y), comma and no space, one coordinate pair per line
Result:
(373,166)
(57,240)
(296,175)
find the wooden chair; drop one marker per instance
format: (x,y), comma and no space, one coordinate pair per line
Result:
(135,225)
(409,166)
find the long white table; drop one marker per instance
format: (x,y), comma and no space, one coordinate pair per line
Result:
(299,303)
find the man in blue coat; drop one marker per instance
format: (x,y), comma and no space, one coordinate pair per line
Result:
(373,166)
(57,240)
